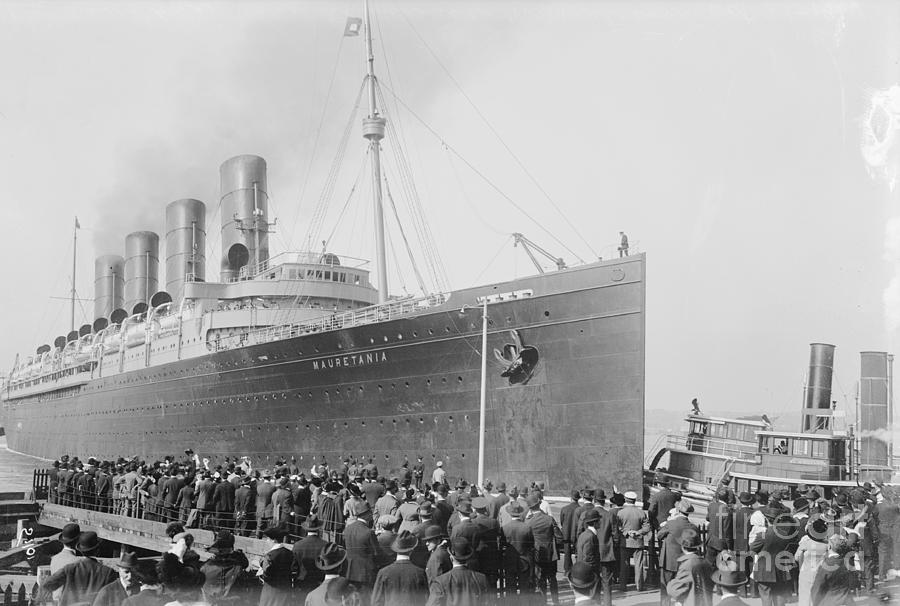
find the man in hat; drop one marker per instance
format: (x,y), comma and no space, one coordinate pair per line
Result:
(223,569)
(488,547)
(302,499)
(740,528)
(461,492)
(498,501)
(204,493)
(418,473)
(518,553)
(774,561)
(387,504)
(329,562)
(401,583)
(439,475)
(81,580)
(282,503)
(583,579)
(596,547)
(565,523)
(720,535)
(729,578)
(692,584)
(670,546)
(373,490)
(439,558)
(546,535)
(223,504)
(461,525)
(460,585)
(264,491)
(68,537)
(185,502)
(306,552)
(442,508)
(634,526)
(115,592)
(151,590)
(362,549)
(104,486)
(276,569)
(244,503)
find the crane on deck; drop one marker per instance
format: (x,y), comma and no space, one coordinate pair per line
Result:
(528,245)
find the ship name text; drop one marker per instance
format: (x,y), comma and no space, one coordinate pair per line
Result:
(351,360)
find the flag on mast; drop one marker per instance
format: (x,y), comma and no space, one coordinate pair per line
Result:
(77,224)
(354,25)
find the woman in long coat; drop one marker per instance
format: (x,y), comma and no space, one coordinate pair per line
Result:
(275,570)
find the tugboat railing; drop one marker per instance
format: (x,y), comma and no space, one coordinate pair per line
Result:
(733,449)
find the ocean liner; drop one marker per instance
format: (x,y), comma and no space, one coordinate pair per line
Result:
(298,354)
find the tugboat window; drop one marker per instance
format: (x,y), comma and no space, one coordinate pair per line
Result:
(801,447)
(782,447)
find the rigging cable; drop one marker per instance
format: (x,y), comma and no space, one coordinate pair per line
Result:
(316,141)
(484,177)
(409,252)
(499,138)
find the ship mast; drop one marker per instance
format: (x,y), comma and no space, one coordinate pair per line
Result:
(373,130)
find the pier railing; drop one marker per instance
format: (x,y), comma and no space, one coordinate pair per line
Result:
(21,596)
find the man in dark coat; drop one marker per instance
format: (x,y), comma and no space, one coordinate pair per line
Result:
(185,502)
(306,551)
(205,490)
(498,501)
(775,549)
(401,583)
(518,553)
(418,473)
(115,592)
(438,556)
(740,529)
(282,504)
(670,547)
(833,582)
(565,524)
(546,534)
(244,503)
(460,586)
(264,491)
(489,562)
(362,548)
(81,580)
(223,569)
(692,584)
(151,590)
(170,491)
(720,535)
(223,504)
(103,483)
(373,490)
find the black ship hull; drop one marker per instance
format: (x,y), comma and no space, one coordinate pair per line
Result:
(570,412)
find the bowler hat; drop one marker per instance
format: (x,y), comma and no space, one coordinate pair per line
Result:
(533,499)
(330,557)
(800,504)
(127,561)
(591,516)
(146,572)
(224,540)
(88,541)
(479,503)
(617,499)
(501,487)
(464,507)
(405,542)
(426,509)
(432,531)
(515,508)
(728,572)
(582,576)
(745,498)
(818,530)
(771,511)
(69,534)
(461,549)
(313,522)
(361,508)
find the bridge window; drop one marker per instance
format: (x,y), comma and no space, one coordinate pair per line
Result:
(781,447)
(820,449)
(801,447)
(716,430)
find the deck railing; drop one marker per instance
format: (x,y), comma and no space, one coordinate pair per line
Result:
(735,449)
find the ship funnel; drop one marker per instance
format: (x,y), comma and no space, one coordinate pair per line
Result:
(817,408)
(109,285)
(245,227)
(875,413)
(141,269)
(185,245)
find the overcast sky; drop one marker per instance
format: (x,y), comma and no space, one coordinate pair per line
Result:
(723,137)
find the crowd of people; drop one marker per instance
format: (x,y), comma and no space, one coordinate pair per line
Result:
(352,535)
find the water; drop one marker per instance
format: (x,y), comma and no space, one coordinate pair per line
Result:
(16,469)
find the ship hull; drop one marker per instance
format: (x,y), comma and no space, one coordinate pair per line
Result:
(571,416)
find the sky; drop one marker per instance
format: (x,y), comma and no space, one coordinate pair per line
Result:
(722,137)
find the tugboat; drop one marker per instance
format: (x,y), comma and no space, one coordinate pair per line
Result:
(749,454)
